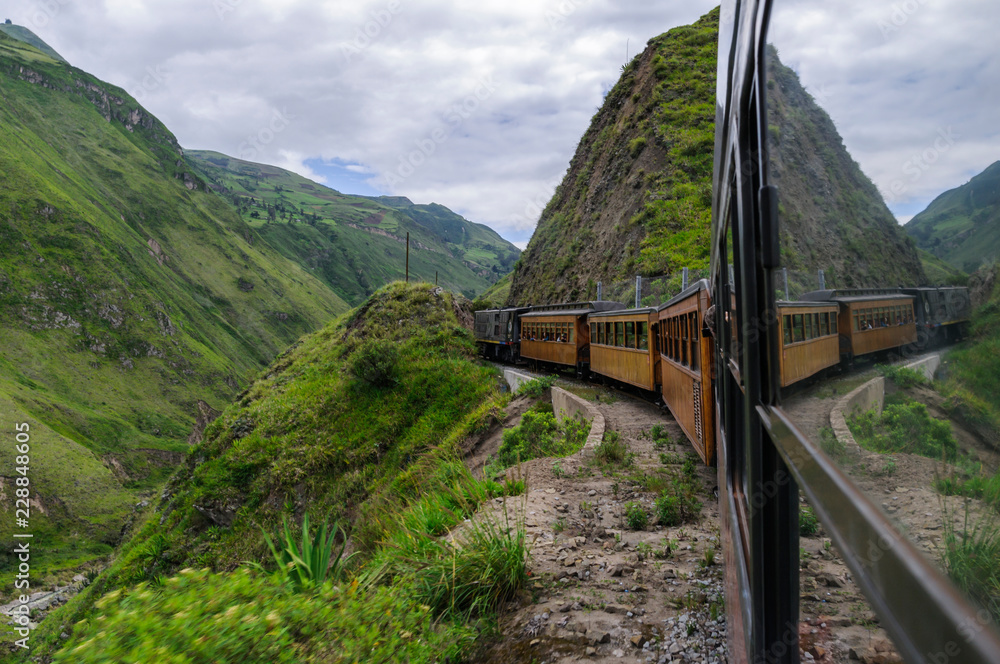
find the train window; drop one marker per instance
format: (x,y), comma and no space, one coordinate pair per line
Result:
(816,325)
(684,340)
(833,322)
(571,333)
(786,326)
(808,321)
(593,333)
(619,334)
(797,330)
(642,334)
(824,324)
(629,334)
(695,340)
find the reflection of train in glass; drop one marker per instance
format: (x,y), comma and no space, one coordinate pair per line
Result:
(669,350)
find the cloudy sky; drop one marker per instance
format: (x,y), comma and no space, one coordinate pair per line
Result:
(479,106)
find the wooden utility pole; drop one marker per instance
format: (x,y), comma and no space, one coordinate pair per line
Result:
(407,258)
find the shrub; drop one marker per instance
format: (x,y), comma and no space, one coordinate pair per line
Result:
(310,564)
(972,558)
(535,387)
(635,516)
(540,435)
(808,523)
(636,145)
(903,377)
(375,363)
(678,503)
(905,428)
(612,449)
(198,617)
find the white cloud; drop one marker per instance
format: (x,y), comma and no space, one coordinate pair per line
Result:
(366,83)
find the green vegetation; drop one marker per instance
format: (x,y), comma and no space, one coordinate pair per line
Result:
(962,225)
(535,387)
(310,434)
(23,34)
(678,503)
(636,516)
(612,450)
(972,558)
(537,436)
(905,427)
(976,485)
(973,383)
(808,523)
(310,564)
(356,244)
(940,273)
(203,617)
(903,377)
(131,298)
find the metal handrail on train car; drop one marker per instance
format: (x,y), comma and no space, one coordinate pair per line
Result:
(763,458)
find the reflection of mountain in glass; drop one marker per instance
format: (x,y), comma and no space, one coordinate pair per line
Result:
(832,216)
(962,226)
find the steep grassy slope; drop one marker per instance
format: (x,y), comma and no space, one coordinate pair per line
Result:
(353,424)
(23,34)
(962,225)
(637,196)
(356,244)
(940,273)
(832,215)
(128,294)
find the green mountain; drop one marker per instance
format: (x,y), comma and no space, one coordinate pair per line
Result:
(25,35)
(357,244)
(637,196)
(132,301)
(962,225)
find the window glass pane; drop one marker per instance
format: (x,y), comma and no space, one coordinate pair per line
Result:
(630,334)
(786,327)
(642,329)
(695,340)
(619,334)
(808,320)
(797,333)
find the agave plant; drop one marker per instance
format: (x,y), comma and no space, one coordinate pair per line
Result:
(309,564)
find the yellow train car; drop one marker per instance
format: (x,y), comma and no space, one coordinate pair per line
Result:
(623,346)
(870,321)
(687,366)
(557,334)
(809,339)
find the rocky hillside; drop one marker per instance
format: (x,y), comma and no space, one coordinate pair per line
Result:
(637,196)
(962,225)
(132,301)
(832,215)
(357,244)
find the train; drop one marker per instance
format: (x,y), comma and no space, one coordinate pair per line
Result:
(669,349)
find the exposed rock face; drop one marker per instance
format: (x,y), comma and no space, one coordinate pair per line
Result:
(206,415)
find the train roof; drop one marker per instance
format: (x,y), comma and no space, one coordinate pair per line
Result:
(701,284)
(573,308)
(625,312)
(490,311)
(786,304)
(855,295)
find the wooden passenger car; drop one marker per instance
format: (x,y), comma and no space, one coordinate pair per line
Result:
(622,346)
(558,334)
(686,366)
(809,339)
(498,333)
(870,321)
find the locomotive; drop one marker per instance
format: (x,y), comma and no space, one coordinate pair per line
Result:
(669,350)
